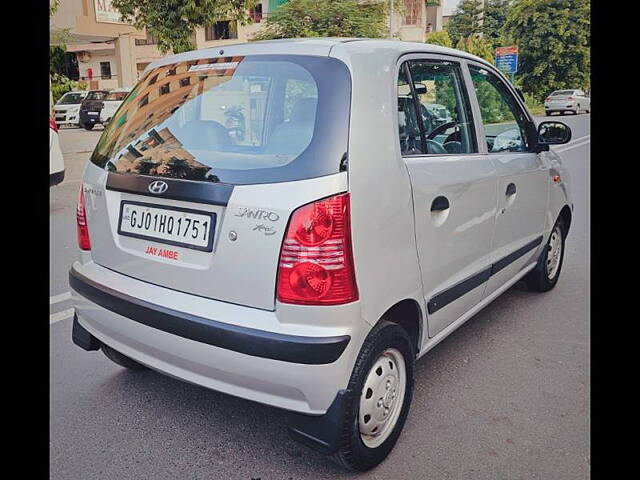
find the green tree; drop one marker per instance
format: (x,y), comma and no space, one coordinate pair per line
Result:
(553,38)
(495,16)
(53,7)
(173,22)
(476,45)
(61,85)
(470,18)
(326,18)
(439,38)
(465,20)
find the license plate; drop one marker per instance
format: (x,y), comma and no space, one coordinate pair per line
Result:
(92,113)
(174,226)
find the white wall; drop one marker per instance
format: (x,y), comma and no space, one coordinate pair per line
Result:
(94,63)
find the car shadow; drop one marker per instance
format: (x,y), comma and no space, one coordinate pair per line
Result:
(207,425)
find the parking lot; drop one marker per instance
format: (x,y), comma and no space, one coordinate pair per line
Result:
(506,396)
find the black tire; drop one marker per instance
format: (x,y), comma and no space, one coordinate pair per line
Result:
(538,279)
(88,126)
(352,453)
(121,359)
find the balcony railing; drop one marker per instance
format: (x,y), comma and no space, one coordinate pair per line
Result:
(97,77)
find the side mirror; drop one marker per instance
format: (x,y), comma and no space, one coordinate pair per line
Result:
(553,133)
(421,88)
(405,90)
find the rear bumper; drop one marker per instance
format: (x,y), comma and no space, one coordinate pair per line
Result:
(210,343)
(560,108)
(64,119)
(257,343)
(92,119)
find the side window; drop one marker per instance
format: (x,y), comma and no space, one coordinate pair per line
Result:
(505,124)
(444,123)
(410,139)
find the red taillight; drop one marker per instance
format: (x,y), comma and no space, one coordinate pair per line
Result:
(570,98)
(316,261)
(53,125)
(548,99)
(81,218)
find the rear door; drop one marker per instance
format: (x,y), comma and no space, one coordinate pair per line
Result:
(453,183)
(192,183)
(522,176)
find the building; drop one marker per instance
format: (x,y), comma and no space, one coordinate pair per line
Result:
(418,18)
(111,53)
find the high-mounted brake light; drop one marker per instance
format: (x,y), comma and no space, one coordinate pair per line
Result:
(53,125)
(316,260)
(81,218)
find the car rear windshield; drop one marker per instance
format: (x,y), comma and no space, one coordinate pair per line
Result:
(238,120)
(116,95)
(96,95)
(71,98)
(562,92)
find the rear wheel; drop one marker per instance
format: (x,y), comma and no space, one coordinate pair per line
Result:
(547,271)
(121,359)
(382,388)
(88,126)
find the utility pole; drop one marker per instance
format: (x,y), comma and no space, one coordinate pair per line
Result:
(480,4)
(391,20)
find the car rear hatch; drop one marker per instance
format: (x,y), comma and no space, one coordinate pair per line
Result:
(561,97)
(94,101)
(193,181)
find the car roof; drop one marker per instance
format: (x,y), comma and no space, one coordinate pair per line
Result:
(316,47)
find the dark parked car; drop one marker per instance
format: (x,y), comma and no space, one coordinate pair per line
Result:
(91,107)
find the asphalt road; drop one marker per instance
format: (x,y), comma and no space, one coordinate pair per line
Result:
(506,396)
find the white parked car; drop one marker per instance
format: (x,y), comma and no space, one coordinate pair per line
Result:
(56,161)
(309,263)
(67,109)
(563,101)
(111,103)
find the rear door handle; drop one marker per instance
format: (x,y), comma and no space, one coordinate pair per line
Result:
(439,204)
(511,189)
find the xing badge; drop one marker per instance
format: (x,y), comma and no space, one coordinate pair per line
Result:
(268,231)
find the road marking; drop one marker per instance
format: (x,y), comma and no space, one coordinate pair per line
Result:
(569,147)
(63,315)
(59,298)
(578,142)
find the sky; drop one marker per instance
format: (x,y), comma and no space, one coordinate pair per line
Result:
(449,6)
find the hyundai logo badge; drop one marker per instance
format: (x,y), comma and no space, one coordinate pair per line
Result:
(158,187)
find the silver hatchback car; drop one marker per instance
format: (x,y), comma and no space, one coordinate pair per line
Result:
(276,221)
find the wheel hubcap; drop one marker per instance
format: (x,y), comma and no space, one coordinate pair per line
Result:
(382,398)
(554,254)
